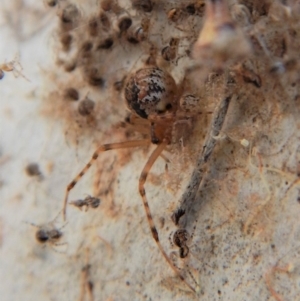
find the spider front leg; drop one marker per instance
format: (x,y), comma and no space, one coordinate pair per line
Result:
(102,148)
(143,177)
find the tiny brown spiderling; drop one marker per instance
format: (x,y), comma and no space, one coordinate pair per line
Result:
(44,235)
(93,77)
(66,41)
(93,26)
(105,44)
(89,201)
(104,20)
(48,234)
(51,3)
(69,14)
(86,49)
(86,107)
(142,5)
(124,23)
(71,94)
(111,6)
(169,53)
(33,169)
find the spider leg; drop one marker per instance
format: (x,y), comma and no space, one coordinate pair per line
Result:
(102,148)
(143,177)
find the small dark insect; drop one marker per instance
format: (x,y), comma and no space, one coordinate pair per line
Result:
(89,201)
(51,3)
(184,11)
(69,67)
(111,5)
(66,41)
(132,40)
(197,8)
(93,27)
(104,20)
(86,107)
(106,5)
(33,170)
(124,23)
(169,52)
(180,239)
(69,14)
(48,235)
(106,44)
(137,33)
(190,9)
(71,94)
(144,5)
(174,14)
(85,50)
(93,77)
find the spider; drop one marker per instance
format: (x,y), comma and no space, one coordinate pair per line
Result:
(152,96)
(182,239)
(89,201)
(49,234)
(13,66)
(143,5)
(44,235)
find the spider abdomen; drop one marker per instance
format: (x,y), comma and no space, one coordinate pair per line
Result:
(151,91)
